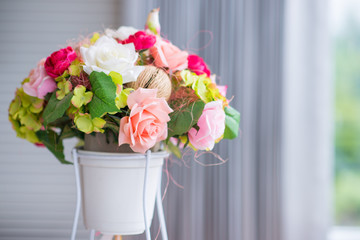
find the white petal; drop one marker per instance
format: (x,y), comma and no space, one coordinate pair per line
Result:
(132,74)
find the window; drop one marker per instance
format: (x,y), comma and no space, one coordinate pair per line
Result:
(345,28)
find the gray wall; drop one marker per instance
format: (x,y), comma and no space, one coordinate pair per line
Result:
(37,194)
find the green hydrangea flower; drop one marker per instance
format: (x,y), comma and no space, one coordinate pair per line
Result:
(23,132)
(15,106)
(198,84)
(121,94)
(24,114)
(203,87)
(63,77)
(64,88)
(73,111)
(75,68)
(87,125)
(121,97)
(29,135)
(81,97)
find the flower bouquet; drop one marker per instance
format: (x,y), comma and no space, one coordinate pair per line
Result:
(132,87)
(132,84)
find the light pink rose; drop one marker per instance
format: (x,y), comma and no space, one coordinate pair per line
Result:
(40,83)
(168,55)
(211,126)
(147,123)
(222,89)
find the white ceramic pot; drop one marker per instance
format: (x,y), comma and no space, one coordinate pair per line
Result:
(112,196)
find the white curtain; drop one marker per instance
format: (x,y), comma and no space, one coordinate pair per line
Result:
(307,152)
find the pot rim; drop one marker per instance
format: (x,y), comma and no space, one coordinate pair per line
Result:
(115,155)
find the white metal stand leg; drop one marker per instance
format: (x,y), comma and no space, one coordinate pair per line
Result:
(78,193)
(147,227)
(160,211)
(92,234)
(159,205)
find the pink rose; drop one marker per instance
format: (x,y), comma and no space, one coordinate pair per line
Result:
(222,89)
(59,61)
(141,40)
(147,123)
(40,83)
(168,55)
(211,126)
(198,65)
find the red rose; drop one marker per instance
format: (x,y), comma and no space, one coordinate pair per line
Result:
(141,40)
(197,65)
(56,64)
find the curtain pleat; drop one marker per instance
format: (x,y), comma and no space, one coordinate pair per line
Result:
(239,199)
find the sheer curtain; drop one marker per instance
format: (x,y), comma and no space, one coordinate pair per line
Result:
(308,122)
(275,58)
(241,198)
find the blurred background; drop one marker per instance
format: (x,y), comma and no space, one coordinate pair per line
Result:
(293,67)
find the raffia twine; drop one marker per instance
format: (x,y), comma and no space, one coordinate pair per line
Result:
(154,78)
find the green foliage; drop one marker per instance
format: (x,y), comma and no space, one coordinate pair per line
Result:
(232,121)
(347,198)
(104,94)
(56,108)
(185,117)
(347,128)
(53,142)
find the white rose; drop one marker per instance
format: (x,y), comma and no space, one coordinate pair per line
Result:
(122,33)
(107,55)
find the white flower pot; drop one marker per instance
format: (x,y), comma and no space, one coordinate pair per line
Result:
(112,190)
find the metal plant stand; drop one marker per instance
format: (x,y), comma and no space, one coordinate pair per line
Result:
(159,206)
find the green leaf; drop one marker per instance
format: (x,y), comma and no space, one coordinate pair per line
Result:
(60,122)
(182,120)
(232,121)
(104,94)
(56,108)
(53,142)
(67,132)
(112,126)
(174,149)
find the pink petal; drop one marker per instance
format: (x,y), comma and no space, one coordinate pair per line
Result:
(139,95)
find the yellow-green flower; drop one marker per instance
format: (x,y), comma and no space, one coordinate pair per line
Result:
(31,121)
(15,106)
(64,88)
(75,68)
(24,114)
(198,84)
(121,96)
(81,97)
(63,77)
(72,111)
(94,38)
(116,78)
(87,125)
(203,87)
(28,134)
